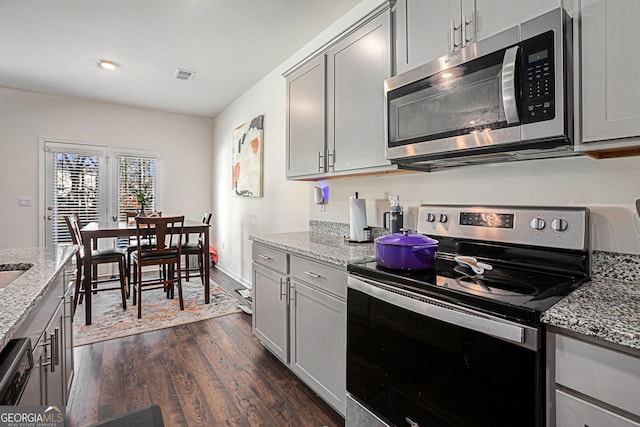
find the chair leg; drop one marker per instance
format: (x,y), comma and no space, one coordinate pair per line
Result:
(76,293)
(140,291)
(201,266)
(123,282)
(179,282)
(135,283)
(187,265)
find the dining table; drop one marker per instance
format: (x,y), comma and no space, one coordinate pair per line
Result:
(94,231)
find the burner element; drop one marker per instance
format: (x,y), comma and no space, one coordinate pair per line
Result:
(495,284)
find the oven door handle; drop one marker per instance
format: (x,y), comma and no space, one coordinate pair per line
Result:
(508,331)
(509,101)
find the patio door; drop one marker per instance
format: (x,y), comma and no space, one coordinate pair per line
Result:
(75,181)
(98,183)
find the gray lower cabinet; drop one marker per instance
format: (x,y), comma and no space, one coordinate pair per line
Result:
(318,322)
(50,329)
(299,314)
(594,385)
(270,310)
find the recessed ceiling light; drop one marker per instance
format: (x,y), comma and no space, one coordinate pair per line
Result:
(108,65)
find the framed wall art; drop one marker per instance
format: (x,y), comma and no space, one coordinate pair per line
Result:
(247,158)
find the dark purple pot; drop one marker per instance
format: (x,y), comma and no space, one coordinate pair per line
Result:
(403,251)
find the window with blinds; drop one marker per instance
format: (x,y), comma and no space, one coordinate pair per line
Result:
(135,174)
(75,191)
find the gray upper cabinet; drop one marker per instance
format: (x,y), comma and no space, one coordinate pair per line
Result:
(357,67)
(305,119)
(609,63)
(335,103)
(424,31)
(428,29)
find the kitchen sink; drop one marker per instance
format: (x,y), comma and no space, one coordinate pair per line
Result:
(10,272)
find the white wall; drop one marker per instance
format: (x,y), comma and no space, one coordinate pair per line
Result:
(608,187)
(184,141)
(285,205)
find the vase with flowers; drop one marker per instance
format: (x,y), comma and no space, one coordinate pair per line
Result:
(144,199)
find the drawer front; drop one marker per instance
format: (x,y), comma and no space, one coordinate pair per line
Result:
(324,277)
(269,257)
(606,375)
(572,411)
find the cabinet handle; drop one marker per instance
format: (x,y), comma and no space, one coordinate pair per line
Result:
(283,290)
(56,350)
(291,292)
(310,274)
(452,35)
(320,162)
(464,24)
(264,257)
(331,161)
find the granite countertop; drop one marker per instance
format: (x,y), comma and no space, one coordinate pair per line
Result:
(19,298)
(330,248)
(606,308)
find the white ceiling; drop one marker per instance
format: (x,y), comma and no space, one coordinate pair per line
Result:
(53,47)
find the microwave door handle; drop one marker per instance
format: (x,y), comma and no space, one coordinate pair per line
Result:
(509,85)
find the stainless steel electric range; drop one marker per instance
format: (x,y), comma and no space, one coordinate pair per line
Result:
(451,346)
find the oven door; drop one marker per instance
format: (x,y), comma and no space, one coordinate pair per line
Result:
(419,362)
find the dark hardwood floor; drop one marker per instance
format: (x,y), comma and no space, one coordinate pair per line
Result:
(207,373)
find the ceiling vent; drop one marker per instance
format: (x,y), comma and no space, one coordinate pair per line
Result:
(184,74)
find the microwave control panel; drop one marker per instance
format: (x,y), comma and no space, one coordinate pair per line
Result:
(538,78)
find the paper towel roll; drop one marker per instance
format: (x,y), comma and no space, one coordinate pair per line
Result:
(357,218)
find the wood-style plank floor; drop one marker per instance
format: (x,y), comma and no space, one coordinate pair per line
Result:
(208,373)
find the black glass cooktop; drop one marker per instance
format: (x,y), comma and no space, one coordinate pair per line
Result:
(513,292)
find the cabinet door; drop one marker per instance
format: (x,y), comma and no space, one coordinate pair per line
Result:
(609,66)
(318,342)
(492,16)
(270,310)
(54,354)
(424,31)
(305,119)
(572,411)
(66,345)
(356,69)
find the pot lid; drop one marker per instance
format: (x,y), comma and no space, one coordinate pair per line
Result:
(403,238)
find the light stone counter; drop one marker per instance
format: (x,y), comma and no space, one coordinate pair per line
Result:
(608,307)
(20,297)
(330,248)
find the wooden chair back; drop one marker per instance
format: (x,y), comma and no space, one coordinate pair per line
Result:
(166,230)
(73,224)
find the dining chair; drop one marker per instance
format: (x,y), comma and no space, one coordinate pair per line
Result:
(197,249)
(98,256)
(166,252)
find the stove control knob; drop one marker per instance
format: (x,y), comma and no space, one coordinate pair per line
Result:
(442,218)
(538,223)
(431,217)
(559,224)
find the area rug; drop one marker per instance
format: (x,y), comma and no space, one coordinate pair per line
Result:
(109,321)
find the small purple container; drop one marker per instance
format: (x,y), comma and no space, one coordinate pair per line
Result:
(404,251)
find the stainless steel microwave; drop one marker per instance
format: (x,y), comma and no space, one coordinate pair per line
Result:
(508,97)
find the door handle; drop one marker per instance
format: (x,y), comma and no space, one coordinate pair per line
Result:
(509,85)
